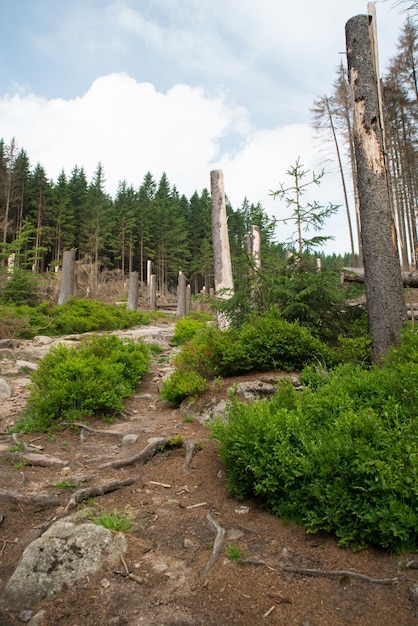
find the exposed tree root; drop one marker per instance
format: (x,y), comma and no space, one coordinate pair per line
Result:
(190,447)
(217,546)
(326,573)
(92,492)
(38,500)
(143,456)
(93,431)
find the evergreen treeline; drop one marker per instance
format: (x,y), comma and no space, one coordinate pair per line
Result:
(42,218)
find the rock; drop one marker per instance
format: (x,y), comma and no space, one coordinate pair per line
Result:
(129,440)
(7,353)
(413,594)
(65,553)
(204,412)
(9,343)
(5,389)
(25,616)
(42,340)
(26,364)
(38,619)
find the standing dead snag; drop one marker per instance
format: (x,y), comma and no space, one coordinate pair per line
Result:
(222,267)
(383,281)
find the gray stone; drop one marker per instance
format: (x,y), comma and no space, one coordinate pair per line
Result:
(42,340)
(129,440)
(5,389)
(9,343)
(65,553)
(27,364)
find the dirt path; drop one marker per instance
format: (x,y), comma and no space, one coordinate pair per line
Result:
(176,515)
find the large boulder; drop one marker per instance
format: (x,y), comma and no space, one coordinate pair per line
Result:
(66,552)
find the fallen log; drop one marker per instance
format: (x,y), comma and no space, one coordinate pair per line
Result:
(356,275)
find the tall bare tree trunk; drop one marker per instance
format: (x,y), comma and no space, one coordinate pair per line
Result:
(224,285)
(384,290)
(67,277)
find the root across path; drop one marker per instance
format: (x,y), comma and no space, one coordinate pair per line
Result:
(196,556)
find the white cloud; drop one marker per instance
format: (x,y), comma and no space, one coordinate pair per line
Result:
(132,128)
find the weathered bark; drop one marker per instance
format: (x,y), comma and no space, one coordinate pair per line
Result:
(153,292)
(181,295)
(224,286)
(67,276)
(383,281)
(132,304)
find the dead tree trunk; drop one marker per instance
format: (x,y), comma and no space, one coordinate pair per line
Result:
(132,303)
(224,286)
(67,276)
(383,281)
(181,295)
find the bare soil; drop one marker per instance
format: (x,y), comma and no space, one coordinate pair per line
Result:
(171,540)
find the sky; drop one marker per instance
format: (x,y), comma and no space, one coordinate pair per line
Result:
(182,87)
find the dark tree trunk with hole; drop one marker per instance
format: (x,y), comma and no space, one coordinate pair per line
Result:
(383,280)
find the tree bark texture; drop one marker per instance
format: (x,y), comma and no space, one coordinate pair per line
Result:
(153,292)
(67,276)
(181,295)
(383,281)
(224,286)
(132,303)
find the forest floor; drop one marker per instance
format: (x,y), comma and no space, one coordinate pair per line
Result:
(284,576)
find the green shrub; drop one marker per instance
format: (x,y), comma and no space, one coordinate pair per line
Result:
(185,329)
(181,385)
(74,383)
(82,316)
(20,288)
(266,342)
(340,456)
(203,353)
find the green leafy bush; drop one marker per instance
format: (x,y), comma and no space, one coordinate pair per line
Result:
(340,456)
(181,385)
(74,383)
(81,316)
(265,342)
(185,329)
(76,316)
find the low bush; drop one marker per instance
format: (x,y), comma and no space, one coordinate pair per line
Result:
(340,456)
(265,342)
(181,385)
(185,329)
(82,316)
(76,316)
(75,383)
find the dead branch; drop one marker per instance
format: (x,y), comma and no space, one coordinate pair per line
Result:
(340,574)
(143,456)
(217,546)
(92,492)
(93,431)
(326,573)
(39,500)
(190,447)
